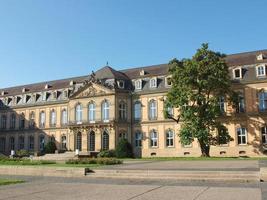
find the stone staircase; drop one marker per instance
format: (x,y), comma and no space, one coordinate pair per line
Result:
(56,157)
(235,176)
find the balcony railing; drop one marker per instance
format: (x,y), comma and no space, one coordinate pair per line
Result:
(92,122)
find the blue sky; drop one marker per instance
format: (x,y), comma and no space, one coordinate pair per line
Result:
(52,39)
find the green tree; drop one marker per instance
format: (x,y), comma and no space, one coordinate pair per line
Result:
(197,85)
(124,149)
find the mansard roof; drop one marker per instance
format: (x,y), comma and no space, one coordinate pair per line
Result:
(240,59)
(109,73)
(246,58)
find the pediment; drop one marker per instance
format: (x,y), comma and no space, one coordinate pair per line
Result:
(92,89)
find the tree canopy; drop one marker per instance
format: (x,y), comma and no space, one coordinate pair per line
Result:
(198,85)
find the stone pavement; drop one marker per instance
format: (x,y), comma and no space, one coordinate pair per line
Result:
(207,165)
(101,189)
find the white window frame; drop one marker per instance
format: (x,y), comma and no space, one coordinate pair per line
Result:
(169,137)
(263,71)
(78,113)
(240,69)
(153,112)
(105,111)
(153,82)
(64,115)
(243,132)
(91,112)
(154,139)
(222,104)
(122,111)
(138,84)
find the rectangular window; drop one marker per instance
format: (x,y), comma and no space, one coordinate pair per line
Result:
(138,139)
(153,83)
(261,70)
(138,84)
(262,101)
(169,138)
(237,73)
(241,104)
(222,104)
(241,136)
(153,139)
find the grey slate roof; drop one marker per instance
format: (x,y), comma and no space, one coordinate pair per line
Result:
(240,59)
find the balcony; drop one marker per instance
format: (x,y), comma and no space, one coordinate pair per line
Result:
(96,122)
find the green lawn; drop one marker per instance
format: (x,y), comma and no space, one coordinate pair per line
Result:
(9,181)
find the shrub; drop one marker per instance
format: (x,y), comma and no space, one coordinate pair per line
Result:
(50,147)
(100,161)
(22,153)
(124,149)
(107,154)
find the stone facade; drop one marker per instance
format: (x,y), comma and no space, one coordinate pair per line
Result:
(93,112)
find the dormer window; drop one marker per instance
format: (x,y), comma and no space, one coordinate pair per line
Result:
(24,90)
(65,94)
(237,73)
(55,95)
(261,70)
(44,96)
(47,86)
(260,57)
(3,93)
(142,72)
(153,83)
(72,83)
(168,81)
(138,84)
(120,84)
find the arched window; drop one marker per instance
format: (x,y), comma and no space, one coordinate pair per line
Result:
(42,119)
(105,141)
(79,141)
(12,143)
(105,111)
(22,121)
(13,121)
(152,110)
(32,120)
(137,111)
(153,138)
(3,122)
(52,118)
(21,142)
(63,142)
(169,138)
(91,141)
(122,111)
(79,113)
(91,112)
(138,139)
(41,143)
(64,117)
(31,143)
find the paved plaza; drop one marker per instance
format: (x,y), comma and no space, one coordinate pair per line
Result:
(91,188)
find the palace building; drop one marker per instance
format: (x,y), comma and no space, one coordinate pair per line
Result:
(93,112)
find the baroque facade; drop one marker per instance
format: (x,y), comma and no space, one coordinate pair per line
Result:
(91,113)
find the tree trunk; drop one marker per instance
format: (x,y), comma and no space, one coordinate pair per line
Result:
(205,149)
